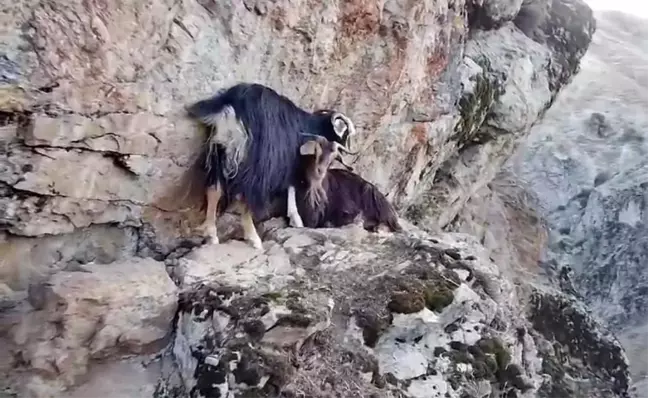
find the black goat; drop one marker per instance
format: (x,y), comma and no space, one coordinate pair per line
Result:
(335,197)
(252,153)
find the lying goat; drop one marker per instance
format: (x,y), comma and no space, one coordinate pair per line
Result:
(252,152)
(328,197)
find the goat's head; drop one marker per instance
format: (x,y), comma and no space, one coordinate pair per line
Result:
(343,127)
(340,131)
(321,153)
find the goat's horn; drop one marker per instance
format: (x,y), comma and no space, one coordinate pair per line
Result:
(341,148)
(350,126)
(339,159)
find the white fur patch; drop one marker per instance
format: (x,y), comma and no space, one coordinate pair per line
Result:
(227,130)
(293,213)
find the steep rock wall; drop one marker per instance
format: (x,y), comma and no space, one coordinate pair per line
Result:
(585,162)
(96,140)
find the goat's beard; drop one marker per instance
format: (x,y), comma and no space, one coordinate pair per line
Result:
(316,195)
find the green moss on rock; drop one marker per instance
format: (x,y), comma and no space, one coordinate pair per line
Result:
(475,106)
(437,298)
(490,360)
(273,296)
(406,302)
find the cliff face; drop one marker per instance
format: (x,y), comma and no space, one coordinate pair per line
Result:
(586,164)
(96,140)
(98,265)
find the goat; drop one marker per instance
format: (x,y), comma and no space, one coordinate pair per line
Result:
(328,197)
(252,151)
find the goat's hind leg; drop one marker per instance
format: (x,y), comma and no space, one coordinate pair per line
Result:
(249,230)
(208,227)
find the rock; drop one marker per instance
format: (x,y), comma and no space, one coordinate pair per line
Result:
(487,14)
(585,340)
(585,165)
(95,130)
(502,66)
(324,324)
(104,312)
(128,378)
(336,330)
(28,259)
(96,189)
(232,263)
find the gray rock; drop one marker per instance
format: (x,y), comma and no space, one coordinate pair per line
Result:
(585,163)
(109,312)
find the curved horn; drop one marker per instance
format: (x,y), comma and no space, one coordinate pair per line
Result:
(343,163)
(349,124)
(342,149)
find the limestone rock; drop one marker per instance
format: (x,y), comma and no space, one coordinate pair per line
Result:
(96,313)
(334,329)
(320,312)
(95,131)
(488,13)
(500,69)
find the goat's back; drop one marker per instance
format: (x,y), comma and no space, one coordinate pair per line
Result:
(350,195)
(273,124)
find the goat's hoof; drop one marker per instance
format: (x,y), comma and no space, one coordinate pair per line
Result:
(209,232)
(296,223)
(256,243)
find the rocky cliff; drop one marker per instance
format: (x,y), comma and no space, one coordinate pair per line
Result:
(105,291)
(586,164)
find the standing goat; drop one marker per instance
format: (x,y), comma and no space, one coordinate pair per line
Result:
(335,197)
(252,152)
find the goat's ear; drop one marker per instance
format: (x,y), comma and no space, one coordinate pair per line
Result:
(310,148)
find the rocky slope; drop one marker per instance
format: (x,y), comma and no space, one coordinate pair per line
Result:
(107,291)
(319,313)
(586,164)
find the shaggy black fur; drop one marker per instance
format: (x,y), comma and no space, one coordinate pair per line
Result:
(275,126)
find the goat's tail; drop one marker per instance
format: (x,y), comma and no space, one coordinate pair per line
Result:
(377,207)
(205,170)
(205,110)
(226,130)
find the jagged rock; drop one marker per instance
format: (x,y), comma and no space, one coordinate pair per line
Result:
(585,162)
(341,335)
(95,130)
(496,109)
(319,319)
(97,313)
(570,328)
(95,146)
(502,67)
(487,14)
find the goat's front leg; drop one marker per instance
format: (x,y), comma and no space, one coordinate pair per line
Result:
(249,230)
(208,227)
(293,213)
